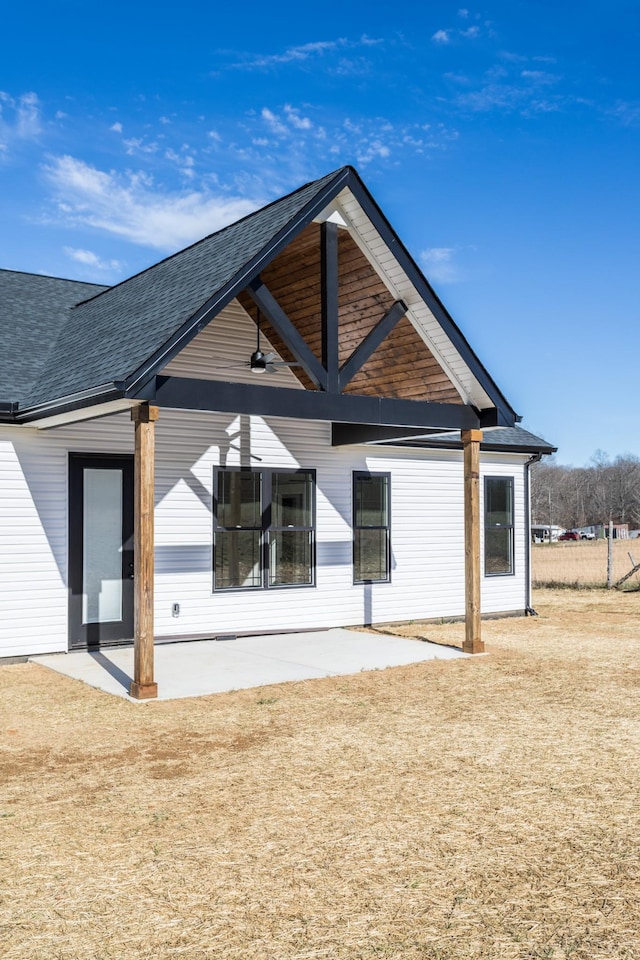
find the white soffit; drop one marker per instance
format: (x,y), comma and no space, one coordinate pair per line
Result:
(346,211)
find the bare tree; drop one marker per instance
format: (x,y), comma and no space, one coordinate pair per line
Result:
(579,496)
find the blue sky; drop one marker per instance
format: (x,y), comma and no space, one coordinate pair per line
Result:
(500,140)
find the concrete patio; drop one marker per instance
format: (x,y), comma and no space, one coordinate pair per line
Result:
(198,668)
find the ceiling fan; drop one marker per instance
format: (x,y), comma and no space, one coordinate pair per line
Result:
(265,362)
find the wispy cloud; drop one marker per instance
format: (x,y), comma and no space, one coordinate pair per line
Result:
(91,259)
(130,206)
(626,111)
(443,37)
(438,264)
(520,90)
(352,139)
(20,118)
(304,52)
(286,124)
(294,118)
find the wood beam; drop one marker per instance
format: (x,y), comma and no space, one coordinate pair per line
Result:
(473,633)
(185,393)
(278,319)
(143,686)
(371,342)
(329,303)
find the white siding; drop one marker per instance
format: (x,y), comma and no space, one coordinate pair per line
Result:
(427,528)
(222,350)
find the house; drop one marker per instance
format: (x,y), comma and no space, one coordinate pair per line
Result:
(619,531)
(278,428)
(545,532)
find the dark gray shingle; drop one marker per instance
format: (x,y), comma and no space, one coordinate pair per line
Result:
(33,311)
(515,439)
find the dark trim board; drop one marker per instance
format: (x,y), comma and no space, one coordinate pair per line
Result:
(184,393)
(344,434)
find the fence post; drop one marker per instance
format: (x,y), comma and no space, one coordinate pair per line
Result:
(610,556)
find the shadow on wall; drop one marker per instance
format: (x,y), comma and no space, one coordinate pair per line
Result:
(182,457)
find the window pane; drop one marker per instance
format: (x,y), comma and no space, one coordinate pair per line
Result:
(371,501)
(238,558)
(291,499)
(239,498)
(499,501)
(290,557)
(498,550)
(370,555)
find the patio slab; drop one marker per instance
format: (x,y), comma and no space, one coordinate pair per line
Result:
(198,668)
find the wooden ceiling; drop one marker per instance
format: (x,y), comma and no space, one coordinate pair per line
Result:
(401,367)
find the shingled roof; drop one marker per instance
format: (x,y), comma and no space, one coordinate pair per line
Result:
(34,311)
(500,439)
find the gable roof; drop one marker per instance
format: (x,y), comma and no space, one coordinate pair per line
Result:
(115,340)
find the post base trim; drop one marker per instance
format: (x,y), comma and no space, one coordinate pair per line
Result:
(143,691)
(473,646)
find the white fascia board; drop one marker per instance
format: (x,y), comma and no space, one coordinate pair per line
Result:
(400,287)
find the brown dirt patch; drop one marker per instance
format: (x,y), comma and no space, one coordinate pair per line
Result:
(482,808)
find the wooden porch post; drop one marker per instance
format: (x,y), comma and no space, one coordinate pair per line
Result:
(144,416)
(472,634)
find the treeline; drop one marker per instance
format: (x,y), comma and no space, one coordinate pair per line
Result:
(580,496)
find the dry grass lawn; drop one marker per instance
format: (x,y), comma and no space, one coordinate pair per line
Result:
(582,563)
(478,808)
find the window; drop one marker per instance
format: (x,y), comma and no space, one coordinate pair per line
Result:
(291,529)
(264,529)
(498,526)
(371,527)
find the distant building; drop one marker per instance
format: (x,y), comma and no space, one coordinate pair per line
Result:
(540,532)
(620,531)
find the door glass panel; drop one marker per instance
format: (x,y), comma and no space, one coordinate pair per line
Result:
(102,546)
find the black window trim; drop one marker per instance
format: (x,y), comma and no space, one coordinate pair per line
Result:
(266,474)
(370,473)
(511,527)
